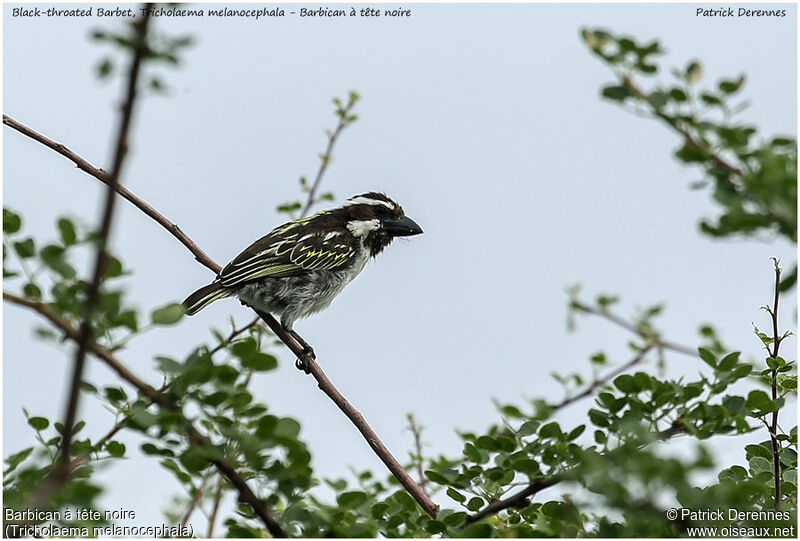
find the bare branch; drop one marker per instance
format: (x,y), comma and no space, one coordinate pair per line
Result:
(104,177)
(656,341)
(225,468)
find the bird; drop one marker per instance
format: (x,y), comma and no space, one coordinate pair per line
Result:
(299,267)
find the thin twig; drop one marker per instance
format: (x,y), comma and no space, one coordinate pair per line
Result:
(198,494)
(245,493)
(234,334)
(416,431)
(656,341)
(325,159)
(213,518)
(62,469)
(605,379)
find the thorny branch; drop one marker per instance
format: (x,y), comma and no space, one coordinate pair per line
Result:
(776,344)
(245,493)
(61,472)
(322,380)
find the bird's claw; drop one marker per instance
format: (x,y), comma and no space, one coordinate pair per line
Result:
(302,360)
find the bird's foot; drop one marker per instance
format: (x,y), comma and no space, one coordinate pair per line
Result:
(302,361)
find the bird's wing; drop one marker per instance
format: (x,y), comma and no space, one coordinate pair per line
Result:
(288,252)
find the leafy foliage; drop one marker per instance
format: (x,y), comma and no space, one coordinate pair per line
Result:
(753,179)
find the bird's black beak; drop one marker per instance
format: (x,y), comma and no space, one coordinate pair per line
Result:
(401,227)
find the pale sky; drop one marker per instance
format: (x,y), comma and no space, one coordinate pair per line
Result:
(484,121)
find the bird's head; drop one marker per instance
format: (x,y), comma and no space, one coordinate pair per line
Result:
(376,220)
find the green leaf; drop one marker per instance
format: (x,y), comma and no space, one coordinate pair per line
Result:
(436,477)
(287,428)
(194,459)
(708,357)
(456,495)
(260,362)
(626,384)
(689,153)
(598,418)
(693,72)
(53,256)
(435,527)
(479,530)
(733,404)
(760,464)
(167,315)
(452,519)
(757,450)
(16,459)
(729,86)
(32,291)
(528,427)
(550,430)
(527,466)
(25,248)
(351,500)
(760,403)
(474,504)
(577,431)
(38,423)
(115,394)
(115,449)
(11,221)
(113,268)
(616,92)
(729,361)
(67,231)
(678,95)
(788,382)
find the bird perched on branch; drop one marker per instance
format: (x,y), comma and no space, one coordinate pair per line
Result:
(299,267)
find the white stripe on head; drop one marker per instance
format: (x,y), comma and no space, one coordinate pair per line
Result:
(362,228)
(361,200)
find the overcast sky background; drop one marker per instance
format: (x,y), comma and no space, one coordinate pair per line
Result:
(484,121)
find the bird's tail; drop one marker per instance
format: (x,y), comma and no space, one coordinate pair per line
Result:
(203,297)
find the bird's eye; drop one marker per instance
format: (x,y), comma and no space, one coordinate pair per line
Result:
(382,212)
